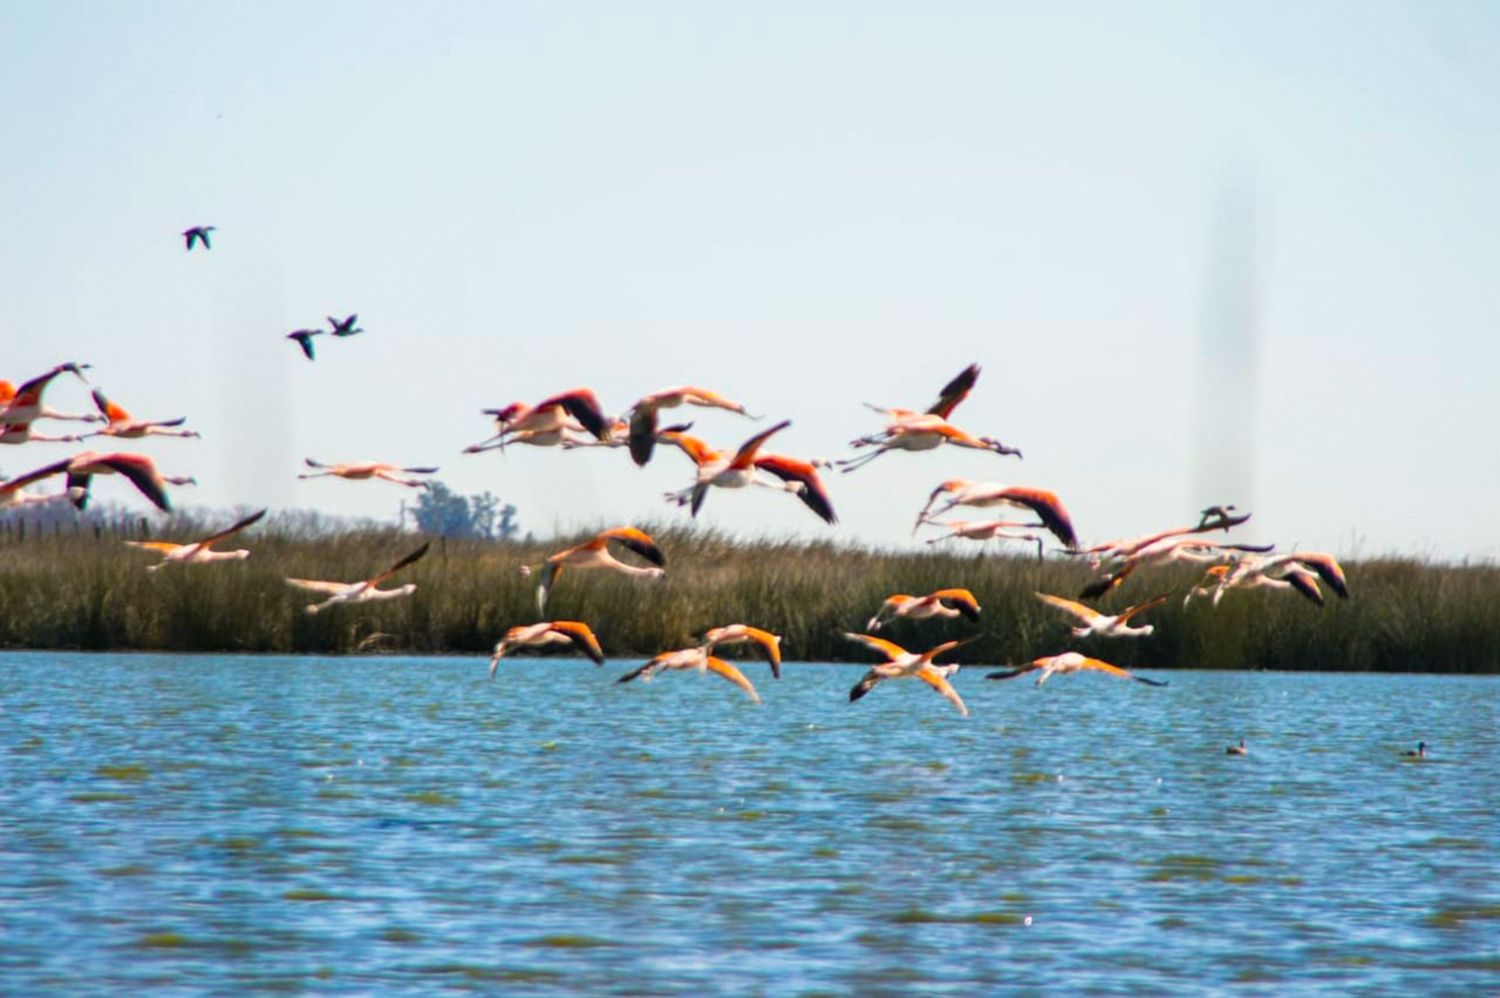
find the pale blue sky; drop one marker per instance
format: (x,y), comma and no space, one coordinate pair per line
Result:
(803,209)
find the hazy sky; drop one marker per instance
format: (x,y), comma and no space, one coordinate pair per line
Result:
(1154,225)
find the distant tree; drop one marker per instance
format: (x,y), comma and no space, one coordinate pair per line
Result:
(439,510)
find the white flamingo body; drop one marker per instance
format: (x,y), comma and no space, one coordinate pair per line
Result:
(549,632)
(364,470)
(1068,663)
(698,659)
(366,591)
(944,603)
(902,664)
(1093,624)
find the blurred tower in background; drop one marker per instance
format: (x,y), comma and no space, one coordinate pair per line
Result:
(1226,402)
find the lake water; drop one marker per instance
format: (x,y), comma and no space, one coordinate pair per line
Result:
(386,824)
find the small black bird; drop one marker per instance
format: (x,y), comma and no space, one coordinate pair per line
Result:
(198,233)
(304,339)
(345,328)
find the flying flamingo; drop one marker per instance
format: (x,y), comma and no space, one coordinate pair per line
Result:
(22,433)
(138,468)
(361,592)
(733,634)
(13,493)
(594,553)
(1213,518)
(920,433)
(642,435)
(902,664)
(119,423)
(692,658)
(988,530)
(24,404)
(198,234)
(715,468)
(1046,505)
(1100,625)
(198,552)
(547,416)
(1299,570)
(944,603)
(362,470)
(1070,662)
(550,632)
(1168,551)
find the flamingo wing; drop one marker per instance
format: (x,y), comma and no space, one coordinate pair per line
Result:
(955,391)
(582,405)
(889,649)
(813,495)
(745,456)
(398,566)
(1150,604)
(141,471)
(961,600)
(1049,508)
(638,541)
(1084,614)
(316,586)
(550,572)
(1099,665)
(230,531)
(582,637)
(735,676)
(937,681)
(111,412)
(46,471)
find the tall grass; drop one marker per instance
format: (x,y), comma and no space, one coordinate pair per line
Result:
(88,591)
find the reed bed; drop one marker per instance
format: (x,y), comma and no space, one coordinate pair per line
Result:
(87,590)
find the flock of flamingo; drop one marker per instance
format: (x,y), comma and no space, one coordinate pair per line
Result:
(575,419)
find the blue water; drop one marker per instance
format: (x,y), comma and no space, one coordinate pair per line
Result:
(387,824)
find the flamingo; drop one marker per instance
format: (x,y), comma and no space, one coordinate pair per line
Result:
(13,493)
(642,435)
(733,634)
(550,414)
(1239,749)
(1299,570)
(944,603)
(138,468)
(361,592)
(198,234)
(1070,662)
(715,468)
(24,404)
(1213,518)
(692,658)
(1046,505)
(1165,552)
(22,433)
(550,632)
(303,338)
(919,433)
(902,664)
(198,552)
(988,530)
(119,423)
(594,553)
(362,470)
(1099,625)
